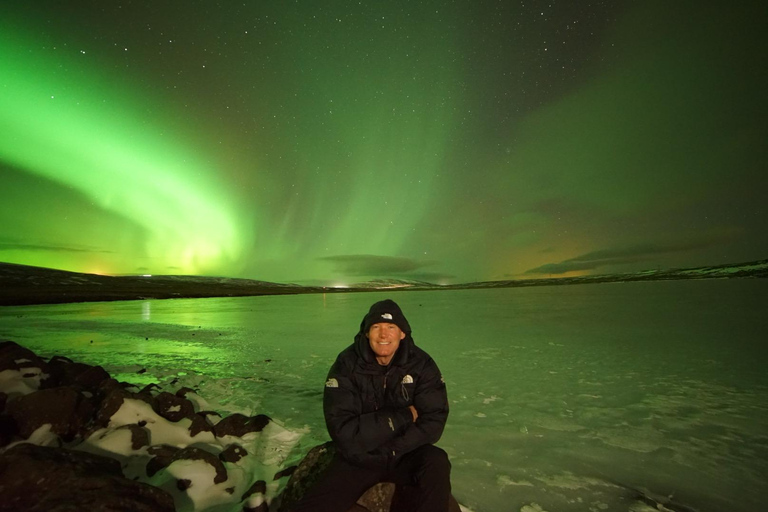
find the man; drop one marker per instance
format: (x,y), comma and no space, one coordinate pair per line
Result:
(385,406)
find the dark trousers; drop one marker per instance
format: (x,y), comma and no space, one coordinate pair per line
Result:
(425,473)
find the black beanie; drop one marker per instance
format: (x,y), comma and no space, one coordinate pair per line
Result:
(386,311)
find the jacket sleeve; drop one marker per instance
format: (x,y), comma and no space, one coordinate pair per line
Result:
(355,432)
(431,402)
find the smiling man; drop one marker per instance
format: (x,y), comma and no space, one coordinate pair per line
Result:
(385,406)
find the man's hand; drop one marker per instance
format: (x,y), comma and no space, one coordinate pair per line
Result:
(414,412)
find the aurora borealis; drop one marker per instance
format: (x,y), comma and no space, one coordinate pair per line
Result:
(341,141)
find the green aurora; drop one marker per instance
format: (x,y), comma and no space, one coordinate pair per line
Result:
(326,143)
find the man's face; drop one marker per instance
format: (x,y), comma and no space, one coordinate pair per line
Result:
(384,339)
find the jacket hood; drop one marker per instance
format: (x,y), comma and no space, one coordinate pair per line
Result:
(385,311)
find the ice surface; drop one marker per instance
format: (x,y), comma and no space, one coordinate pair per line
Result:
(592,397)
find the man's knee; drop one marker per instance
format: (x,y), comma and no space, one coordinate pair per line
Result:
(434,463)
(438,459)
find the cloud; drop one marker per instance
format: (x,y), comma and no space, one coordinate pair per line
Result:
(17,246)
(620,256)
(431,277)
(370,265)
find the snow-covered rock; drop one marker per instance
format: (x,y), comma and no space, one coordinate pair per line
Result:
(77,414)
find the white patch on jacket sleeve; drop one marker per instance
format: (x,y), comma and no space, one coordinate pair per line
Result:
(407,379)
(331,383)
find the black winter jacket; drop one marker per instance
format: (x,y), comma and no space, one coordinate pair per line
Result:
(366,404)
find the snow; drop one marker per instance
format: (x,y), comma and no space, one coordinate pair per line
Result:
(20,382)
(266,452)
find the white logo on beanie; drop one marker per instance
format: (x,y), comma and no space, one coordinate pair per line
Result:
(386,316)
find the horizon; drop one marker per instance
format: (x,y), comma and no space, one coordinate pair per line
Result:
(353,285)
(452,144)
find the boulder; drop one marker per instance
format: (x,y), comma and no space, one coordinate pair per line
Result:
(164,456)
(238,425)
(113,401)
(376,499)
(37,479)
(233,453)
(139,435)
(76,401)
(173,408)
(67,411)
(8,430)
(15,357)
(65,372)
(200,423)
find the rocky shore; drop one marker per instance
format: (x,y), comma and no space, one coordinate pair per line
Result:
(74,438)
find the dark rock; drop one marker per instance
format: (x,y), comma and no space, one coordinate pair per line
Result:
(263,507)
(306,474)
(172,407)
(3,400)
(147,390)
(238,425)
(8,430)
(182,392)
(199,424)
(162,457)
(284,473)
(92,377)
(233,453)
(65,409)
(110,404)
(15,357)
(109,384)
(192,453)
(43,479)
(166,455)
(64,372)
(139,435)
(376,499)
(59,359)
(113,401)
(259,486)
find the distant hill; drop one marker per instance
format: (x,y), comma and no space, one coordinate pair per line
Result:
(379,284)
(22,284)
(752,269)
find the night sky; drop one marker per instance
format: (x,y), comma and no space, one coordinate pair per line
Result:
(335,142)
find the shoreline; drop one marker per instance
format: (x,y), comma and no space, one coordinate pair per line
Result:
(22,285)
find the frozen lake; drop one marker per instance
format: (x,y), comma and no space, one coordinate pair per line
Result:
(567,397)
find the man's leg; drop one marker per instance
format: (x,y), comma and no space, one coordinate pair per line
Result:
(428,471)
(338,488)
